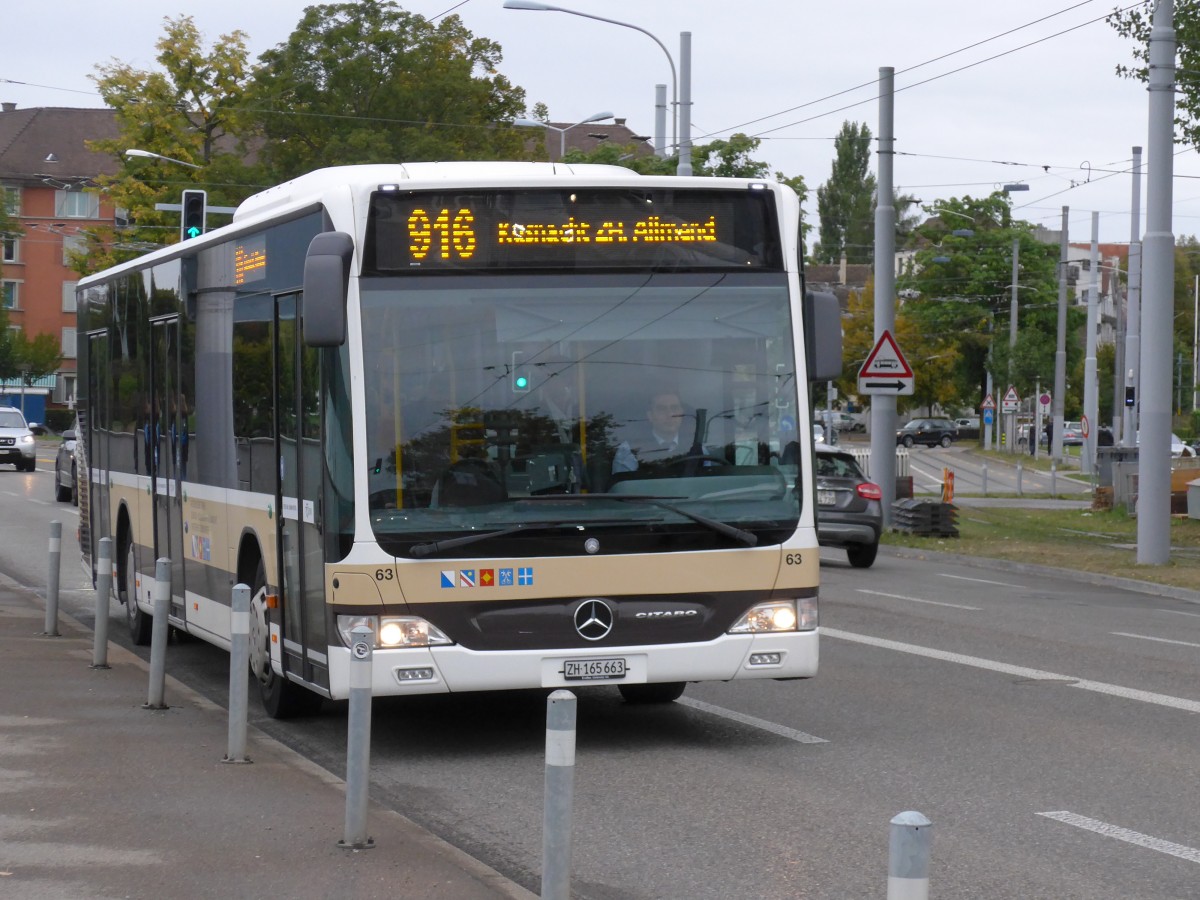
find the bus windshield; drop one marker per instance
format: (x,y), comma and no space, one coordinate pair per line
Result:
(657,412)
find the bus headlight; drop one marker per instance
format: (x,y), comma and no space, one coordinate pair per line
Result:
(778,615)
(394,631)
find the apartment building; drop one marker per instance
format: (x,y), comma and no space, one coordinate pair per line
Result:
(45,168)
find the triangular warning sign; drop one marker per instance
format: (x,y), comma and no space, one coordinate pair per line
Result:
(885,360)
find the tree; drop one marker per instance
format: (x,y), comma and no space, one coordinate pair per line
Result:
(1134,23)
(368,82)
(932,357)
(846,202)
(193,108)
(960,288)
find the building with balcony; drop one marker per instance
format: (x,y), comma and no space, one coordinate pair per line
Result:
(45,170)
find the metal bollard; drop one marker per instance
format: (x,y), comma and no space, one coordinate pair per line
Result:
(358,741)
(52,579)
(909,848)
(560,790)
(161,595)
(985,479)
(103,590)
(1020,479)
(1054,480)
(239,665)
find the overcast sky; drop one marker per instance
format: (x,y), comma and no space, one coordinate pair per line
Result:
(987,93)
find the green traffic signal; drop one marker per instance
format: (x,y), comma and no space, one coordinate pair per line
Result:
(193,213)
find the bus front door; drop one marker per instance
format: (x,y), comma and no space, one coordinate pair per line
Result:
(298,542)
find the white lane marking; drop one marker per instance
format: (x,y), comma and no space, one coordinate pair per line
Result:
(980,580)
(1146,637)
(1098,687)
(918,600)
(800,736)
(1191,854)
(1179,612)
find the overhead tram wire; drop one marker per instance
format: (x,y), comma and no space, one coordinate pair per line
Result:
(963,68)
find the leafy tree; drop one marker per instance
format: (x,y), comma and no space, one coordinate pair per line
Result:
(960,288)
(9,352)
(192,108)
(1134,23)
(368,82)
(933,358)
(846,202)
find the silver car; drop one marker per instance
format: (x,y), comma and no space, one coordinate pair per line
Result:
(16,440)
(65,485)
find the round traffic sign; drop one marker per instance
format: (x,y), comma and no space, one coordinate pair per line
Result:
(1087,428)
(1044,398)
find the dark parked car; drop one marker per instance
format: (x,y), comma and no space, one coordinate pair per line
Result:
(930,431)
(66,486)
(849,507)
(17,445)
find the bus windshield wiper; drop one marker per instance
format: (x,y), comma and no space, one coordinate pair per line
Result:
(423,550)
(738,534)
(432,547)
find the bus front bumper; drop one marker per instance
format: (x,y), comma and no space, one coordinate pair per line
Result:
(732,657)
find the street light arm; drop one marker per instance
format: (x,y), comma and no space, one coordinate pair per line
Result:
(146,154)
(546,7)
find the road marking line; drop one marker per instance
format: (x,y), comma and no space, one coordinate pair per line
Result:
(1098,687)
(980,580)
(1146,637)
(918,600)
(1179,612)
(799,736)
(1124,834)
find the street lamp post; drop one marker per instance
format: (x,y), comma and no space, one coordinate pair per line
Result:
(683,169)
(562,132)
(146,154)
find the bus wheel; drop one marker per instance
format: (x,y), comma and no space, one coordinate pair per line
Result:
(140,623)
(280,698)
(667,692)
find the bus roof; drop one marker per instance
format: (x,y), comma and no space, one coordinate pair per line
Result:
(312,186)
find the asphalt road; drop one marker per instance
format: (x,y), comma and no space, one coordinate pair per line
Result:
(1046,727)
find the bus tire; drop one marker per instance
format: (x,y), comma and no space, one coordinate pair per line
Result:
(280,698)
(140,624)
(665,692)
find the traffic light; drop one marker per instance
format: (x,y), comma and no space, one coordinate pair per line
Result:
(191,223)
(521,382)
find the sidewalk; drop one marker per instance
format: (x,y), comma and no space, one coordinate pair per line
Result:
(104,799)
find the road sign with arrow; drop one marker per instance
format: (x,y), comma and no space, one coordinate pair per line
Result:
(885,370)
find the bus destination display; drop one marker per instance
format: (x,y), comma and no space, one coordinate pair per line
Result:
(250,260)
(571,229)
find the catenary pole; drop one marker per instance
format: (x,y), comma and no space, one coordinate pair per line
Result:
(1133,325)
(1158,250)
(1060,355)
(883,406)
(1091,384)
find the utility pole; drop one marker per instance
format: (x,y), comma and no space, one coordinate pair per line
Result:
(1091,384)
(1060,355)
(883,406)
(1133,325)
(1154,404)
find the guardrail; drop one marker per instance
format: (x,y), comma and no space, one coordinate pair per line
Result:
(862,456)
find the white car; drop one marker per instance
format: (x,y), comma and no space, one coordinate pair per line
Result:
(16,440)
(1179,447)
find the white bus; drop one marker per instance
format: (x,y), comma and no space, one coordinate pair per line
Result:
(411,397)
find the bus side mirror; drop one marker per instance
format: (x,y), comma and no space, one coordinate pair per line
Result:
(326,281)
(822,335)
